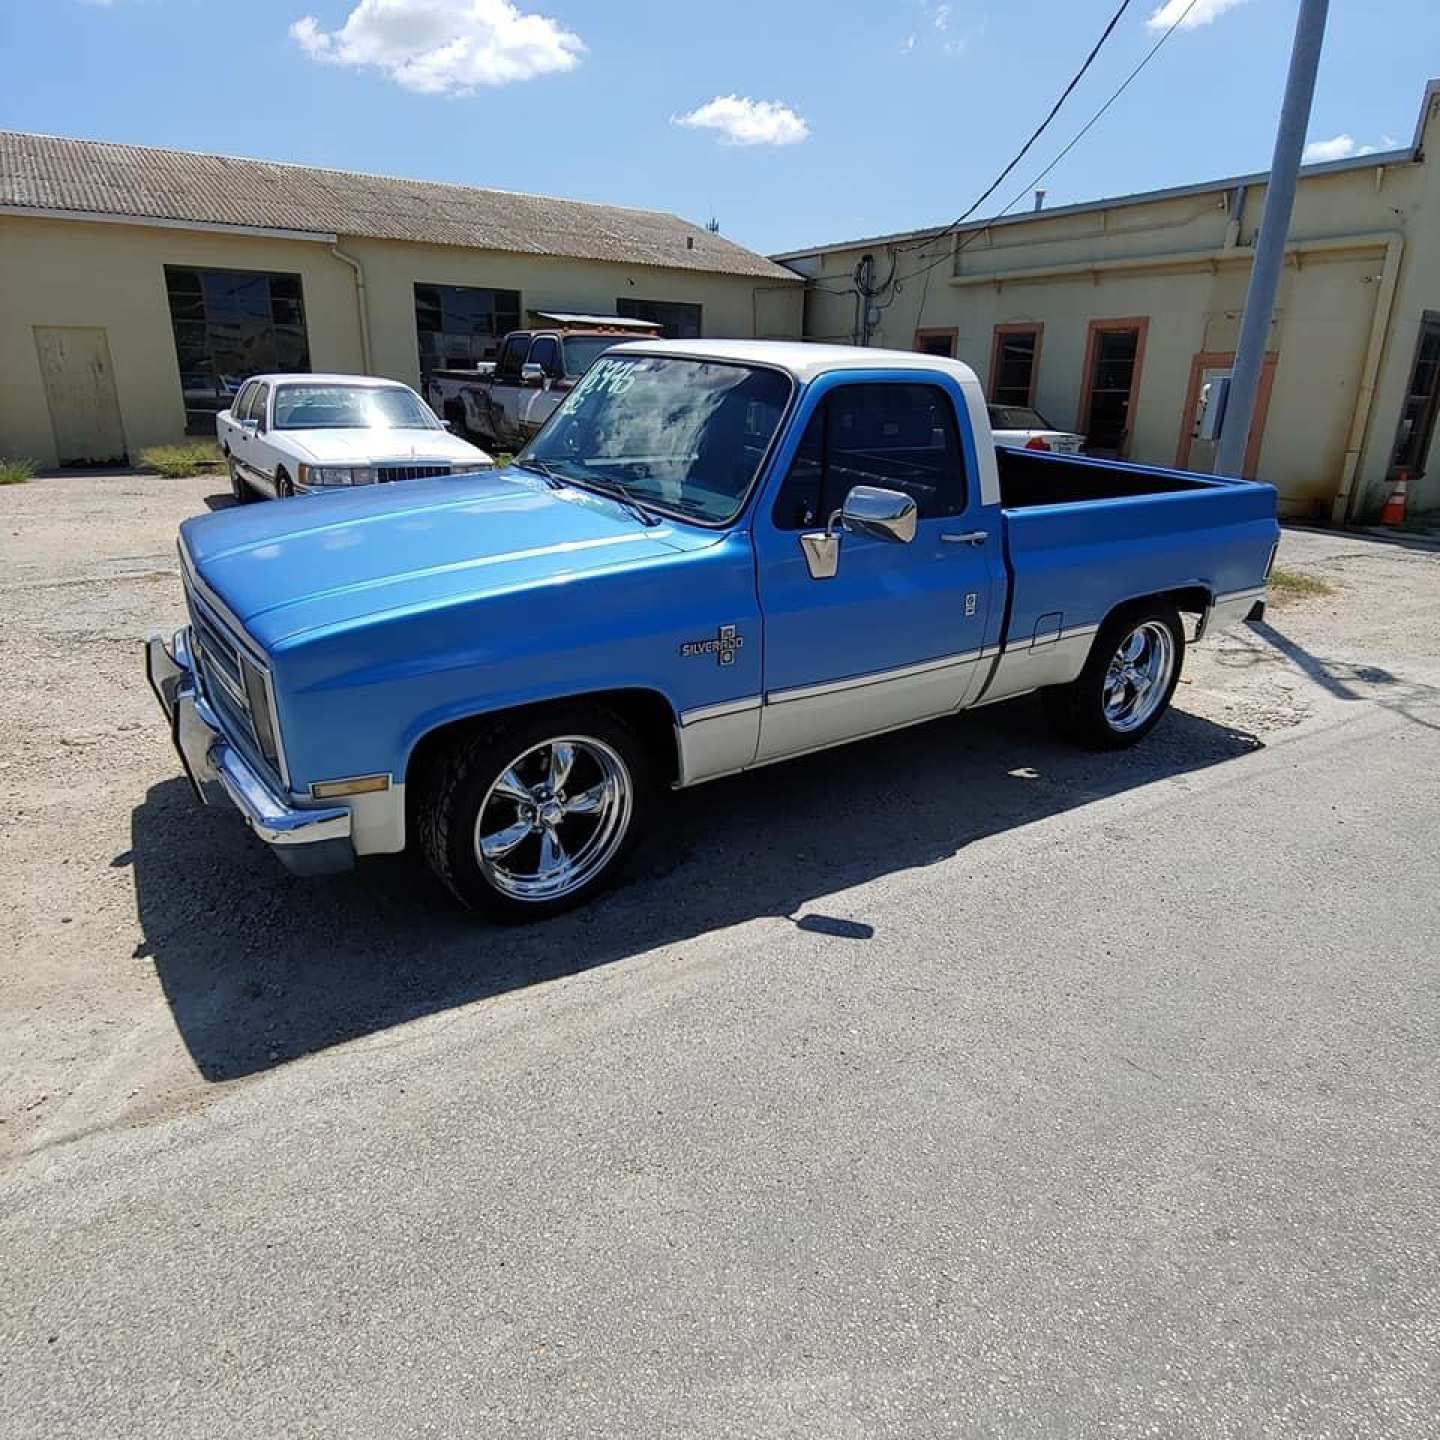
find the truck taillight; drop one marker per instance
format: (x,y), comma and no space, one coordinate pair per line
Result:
(1039,442)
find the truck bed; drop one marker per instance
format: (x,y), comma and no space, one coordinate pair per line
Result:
(1035,477)
(1083,535)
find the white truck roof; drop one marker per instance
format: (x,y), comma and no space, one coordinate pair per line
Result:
(802,359)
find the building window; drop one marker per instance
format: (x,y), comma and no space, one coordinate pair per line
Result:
(1014,364)
(677,320)
(937,341)
(230,325)
(1422,399)
(462,325)
(1114,354)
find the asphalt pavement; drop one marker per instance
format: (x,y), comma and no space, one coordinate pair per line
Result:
(948,1085)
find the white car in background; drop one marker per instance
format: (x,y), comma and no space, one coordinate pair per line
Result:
(1027,429)
(296,434)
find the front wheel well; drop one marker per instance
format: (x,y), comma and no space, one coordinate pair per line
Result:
(647,712)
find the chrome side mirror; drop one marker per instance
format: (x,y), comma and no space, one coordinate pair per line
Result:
(868,510)
(885,514)
(532,374)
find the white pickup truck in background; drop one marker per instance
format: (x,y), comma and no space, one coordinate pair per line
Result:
(505,402)
(289,434)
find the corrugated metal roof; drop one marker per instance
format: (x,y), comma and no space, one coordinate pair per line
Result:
(47,172)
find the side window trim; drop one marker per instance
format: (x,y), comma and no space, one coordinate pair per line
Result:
(960,445)
(259,404)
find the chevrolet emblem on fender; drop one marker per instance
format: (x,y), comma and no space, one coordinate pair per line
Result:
(723,645)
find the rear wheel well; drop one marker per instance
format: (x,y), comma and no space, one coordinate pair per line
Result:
(647,712)
(1190,599)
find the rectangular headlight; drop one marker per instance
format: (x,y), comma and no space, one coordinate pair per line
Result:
(257,692)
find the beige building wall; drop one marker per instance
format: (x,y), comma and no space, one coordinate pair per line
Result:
(1363,265)
(61,272)
(65,272)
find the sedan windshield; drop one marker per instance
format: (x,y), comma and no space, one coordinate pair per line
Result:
(1017,417)
(351,407)
(681,435)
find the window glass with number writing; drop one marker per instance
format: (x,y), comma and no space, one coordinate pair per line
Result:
(898,437)
(687,436)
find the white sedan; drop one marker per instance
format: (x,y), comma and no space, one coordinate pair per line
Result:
(1027,429)
(294,434)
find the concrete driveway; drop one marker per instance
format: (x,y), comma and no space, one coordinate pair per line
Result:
(957,1083)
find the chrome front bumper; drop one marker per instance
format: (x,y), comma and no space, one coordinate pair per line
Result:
(307,841)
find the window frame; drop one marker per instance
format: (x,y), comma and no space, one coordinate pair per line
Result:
(261,397)
(635,302)
(937,332)
(997,341)
(498,313)
(842,381)
(199,421)
(1429,324)
(240,405)
(1118,324)
(552,372)
(519,342)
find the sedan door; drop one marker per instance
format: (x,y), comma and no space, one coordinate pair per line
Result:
(895,634)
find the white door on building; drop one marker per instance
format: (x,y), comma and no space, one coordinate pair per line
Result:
(80,391)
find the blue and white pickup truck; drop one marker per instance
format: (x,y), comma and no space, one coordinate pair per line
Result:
(715,555)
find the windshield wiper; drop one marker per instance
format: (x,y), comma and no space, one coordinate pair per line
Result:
(616,491)
(551,477)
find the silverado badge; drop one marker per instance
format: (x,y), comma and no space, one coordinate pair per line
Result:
(723,645)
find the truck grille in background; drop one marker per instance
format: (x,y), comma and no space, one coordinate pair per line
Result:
(384,473)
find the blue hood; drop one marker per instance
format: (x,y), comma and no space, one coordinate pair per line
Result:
(290,567)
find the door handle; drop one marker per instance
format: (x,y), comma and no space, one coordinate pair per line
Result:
(970,537)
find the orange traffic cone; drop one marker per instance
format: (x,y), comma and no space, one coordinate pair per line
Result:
(1394,511)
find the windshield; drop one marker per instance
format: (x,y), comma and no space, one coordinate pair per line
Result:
(582,351)
(1017,417)
(351,407)
(681,435)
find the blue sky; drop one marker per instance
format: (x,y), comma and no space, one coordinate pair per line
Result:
(807,122)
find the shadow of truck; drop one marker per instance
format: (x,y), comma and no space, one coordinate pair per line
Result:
(259,967)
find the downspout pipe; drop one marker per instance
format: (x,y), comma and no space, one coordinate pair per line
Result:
(1346,497)
(360,302)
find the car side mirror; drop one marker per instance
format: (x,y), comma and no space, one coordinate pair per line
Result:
(868,510)
(532,374)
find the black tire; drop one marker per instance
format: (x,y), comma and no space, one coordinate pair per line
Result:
(239,487)
(1079,710)
(464,780)
(284,490)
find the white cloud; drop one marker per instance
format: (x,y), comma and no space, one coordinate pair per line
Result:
(907,44)
(743,121)
(443,47)
(1341,147)
(1204,12)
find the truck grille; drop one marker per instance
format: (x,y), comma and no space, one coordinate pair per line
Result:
(217,655)
(385,473)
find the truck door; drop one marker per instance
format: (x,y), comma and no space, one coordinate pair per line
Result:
(541,398)
(504,390)
(896,633)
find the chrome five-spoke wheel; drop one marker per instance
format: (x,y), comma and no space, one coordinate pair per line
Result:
(1137,680)
(554,818)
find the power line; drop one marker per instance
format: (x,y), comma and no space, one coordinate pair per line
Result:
(1035,135)
(1028,189)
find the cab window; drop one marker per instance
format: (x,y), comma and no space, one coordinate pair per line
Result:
(898,437)
(545,353)
(240,403)
(512,357)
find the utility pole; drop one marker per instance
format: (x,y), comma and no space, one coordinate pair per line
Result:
(1270,243)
